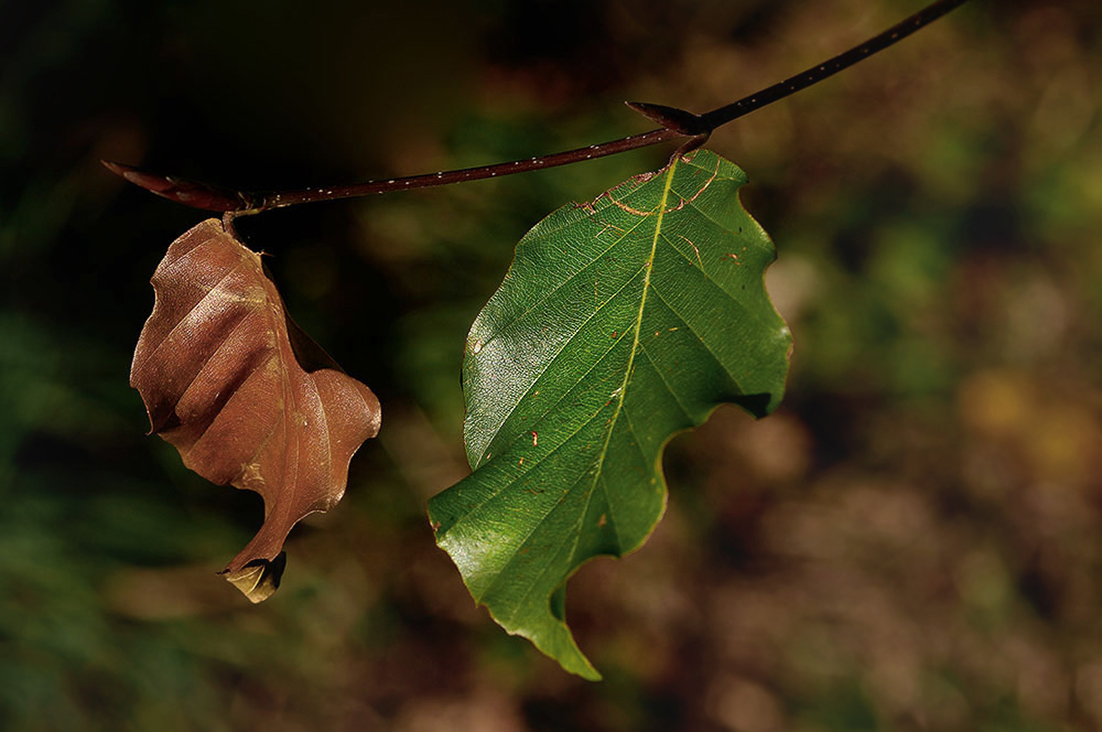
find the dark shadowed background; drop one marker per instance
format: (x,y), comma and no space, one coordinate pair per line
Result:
(911,542)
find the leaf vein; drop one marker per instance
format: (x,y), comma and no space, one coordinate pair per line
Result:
(569,340)
(550,293)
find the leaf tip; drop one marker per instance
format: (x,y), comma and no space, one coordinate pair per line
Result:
(591,675)
(259,579)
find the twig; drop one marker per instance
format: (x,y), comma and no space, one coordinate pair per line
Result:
(676,123)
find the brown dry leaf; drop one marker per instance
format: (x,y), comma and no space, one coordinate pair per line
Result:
(244,394)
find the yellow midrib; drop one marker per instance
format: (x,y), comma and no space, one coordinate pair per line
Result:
(638,329)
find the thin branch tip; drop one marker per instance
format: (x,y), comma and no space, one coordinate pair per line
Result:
(182,190)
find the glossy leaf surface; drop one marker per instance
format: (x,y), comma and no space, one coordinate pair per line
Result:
(244,395)
(619,323)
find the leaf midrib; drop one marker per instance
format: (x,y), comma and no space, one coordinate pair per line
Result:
(649,266)
(661,212)
(565,344)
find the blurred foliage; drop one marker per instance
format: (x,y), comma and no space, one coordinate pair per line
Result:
(911,542)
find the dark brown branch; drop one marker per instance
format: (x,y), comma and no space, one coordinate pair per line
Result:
(815,74)
(676,123)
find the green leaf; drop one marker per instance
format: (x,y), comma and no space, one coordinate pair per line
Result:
(619,323)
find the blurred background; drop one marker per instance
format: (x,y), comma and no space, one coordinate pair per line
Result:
(912,542)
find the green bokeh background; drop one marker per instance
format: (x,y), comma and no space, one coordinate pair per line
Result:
(912,542)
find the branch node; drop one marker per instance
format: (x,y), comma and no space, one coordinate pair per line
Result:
(672,118)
